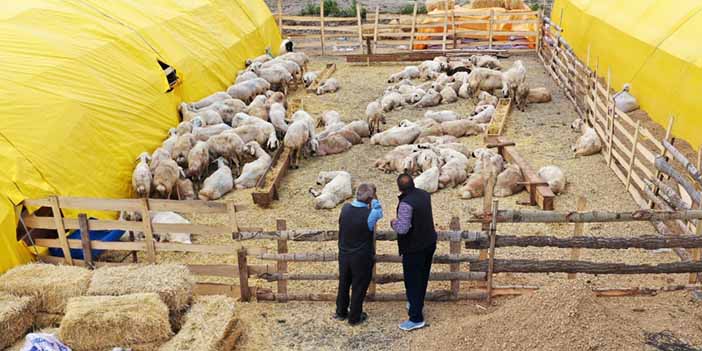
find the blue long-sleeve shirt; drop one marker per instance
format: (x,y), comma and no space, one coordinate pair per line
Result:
(376,212)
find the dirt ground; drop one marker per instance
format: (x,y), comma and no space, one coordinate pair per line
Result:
(542,135)
(294,7)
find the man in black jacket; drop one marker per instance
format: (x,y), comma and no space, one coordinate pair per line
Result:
(356,253)
(417,242)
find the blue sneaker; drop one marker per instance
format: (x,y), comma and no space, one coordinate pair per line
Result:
(409,325)
(408,306)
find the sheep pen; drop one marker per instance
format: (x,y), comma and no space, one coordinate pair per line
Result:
(542,134)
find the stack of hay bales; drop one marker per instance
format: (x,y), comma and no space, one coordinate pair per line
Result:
(16,317)
(210,325)
(173,283)
(52,286)
(97,323)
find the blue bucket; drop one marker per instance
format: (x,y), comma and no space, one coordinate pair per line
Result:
(95,235)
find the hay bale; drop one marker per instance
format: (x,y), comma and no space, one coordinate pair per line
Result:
(210,325)
(16,315)
(52,285)
(105,322)
(20,343)
(172,282)
(47,320)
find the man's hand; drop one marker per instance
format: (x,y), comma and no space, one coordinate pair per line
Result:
(392,222)
(375,204)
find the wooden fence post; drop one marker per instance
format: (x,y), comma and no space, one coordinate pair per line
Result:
(282,225)
(490,25)
(443,41)
(360,26)
(61,229)
(233,222)
(580,206)
(491,262)
(663,152)
(487,204)
(633,155)
(321,23)
(85,241)
(610,117)
(148,231)
(414,27)
(453,29)
(280,16)
(696,253)
(375,29)
(455,249)
(243,274)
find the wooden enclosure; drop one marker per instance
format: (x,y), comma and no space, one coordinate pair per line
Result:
(438,30)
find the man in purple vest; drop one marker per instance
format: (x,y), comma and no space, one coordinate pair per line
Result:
(417,242)
(356,253)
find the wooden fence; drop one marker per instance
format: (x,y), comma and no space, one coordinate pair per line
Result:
(645,165)
(439,30)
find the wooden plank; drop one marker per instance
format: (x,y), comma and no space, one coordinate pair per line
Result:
(328,71)
(445,32)
(386,278)
(282,266)
(436,295)
(84,203)
(317,19)
(581,205)
(333,235)
(359,24)
(562,266)
(280,16)
(375,27)
(697,253)
(455,249)
(85,241)
(414,27)
(268,191)
(206,289)
(630,170)
(243,275)
(540,194)
(491,262)
(534,216)
(643,241)
(148,232)
(490,28)
(140,246)
(191,206)
(333,257)
(60,229)
(321,34)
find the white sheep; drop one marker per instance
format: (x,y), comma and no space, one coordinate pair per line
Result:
(450,142)
(428,68)
(218,183)
(300,134)
(330,117)
(292,67)
(409,72)
(228,145)
(448,95)
(485,61)
(555,178)
(182,147)
(464,91)
(170,218)
(184,127)
(227,108)
(157,156)
(396,136)
(484,79)
(300,58)
(246,91)
(258,107)
(198,160)
(165,177)
(430,99)
(513,78)
(461,128)
(428,180)
(400,159)
(244,76)
(209,100)
(624,101)
(436,140)
(286,46)
(484,114)
(309,78)
(252,171)
(333,144)
(264,134)
(184,186)
(170,141)
(390,101)
(337,188)
(142,177)
(589,142)
(260,59)
(485,98)
(474,186)
(509,181)
(277,75)
(209,117)
(361,128)
(374,114)
(203,133)
(330,85)
(455,169)
(441,116)
(277,116)
(488,160)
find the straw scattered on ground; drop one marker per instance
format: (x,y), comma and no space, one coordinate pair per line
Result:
(172,282)
(104,322)
(15,318)
(210,325)
(52,285)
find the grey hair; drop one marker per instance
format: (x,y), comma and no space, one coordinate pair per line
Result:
(365,192)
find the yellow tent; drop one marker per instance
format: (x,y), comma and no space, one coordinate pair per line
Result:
(83,92)
(653,44)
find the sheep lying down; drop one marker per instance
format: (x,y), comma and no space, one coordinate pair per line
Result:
(166,217)
(337,189)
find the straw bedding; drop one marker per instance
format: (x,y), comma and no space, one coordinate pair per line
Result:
(210,325)
(15,318)
(52,285)
(47,320)
(104,322)
(172,282)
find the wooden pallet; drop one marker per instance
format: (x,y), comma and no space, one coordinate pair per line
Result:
(539,192)
(267,186)
(497,125)
(326,74)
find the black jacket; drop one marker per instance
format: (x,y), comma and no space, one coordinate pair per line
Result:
(422,233)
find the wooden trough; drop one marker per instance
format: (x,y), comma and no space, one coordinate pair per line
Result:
(326,74)
(267,186)
(497,125)
(539,192)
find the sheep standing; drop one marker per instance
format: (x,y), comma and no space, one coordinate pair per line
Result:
(184,187)
(198,160)
(277,115)
(207,101)
(141,177)
(170,141)
(361,128)
(513,78)
(300,133)
(159,155)
(228,145)
(337,188)
(165,177)
(555,178)
(374,115)
(483,79)
(182,147)
(252,171)
(258,108)
(218,183)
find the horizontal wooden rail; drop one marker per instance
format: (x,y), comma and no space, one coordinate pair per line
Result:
(386,278)
(141,246)
(648,242)
(97,204)
(333,235)
(563,266)
(529,216)
(437,295)
(333,257)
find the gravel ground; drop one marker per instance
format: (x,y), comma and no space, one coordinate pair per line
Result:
(294,7)
(543,137)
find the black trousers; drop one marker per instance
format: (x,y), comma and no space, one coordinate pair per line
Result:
(416,267)
(355,273)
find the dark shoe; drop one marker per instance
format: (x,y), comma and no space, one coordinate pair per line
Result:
(364,317)
(339,317)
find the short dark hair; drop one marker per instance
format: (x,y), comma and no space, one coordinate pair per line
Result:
(405,182)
